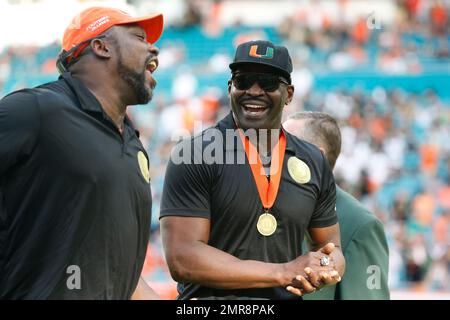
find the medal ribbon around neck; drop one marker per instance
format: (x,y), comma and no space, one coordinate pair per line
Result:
(267,188)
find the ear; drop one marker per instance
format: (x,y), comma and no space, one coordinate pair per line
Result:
(101,48)
(290,94)
(229,86)
(322,150)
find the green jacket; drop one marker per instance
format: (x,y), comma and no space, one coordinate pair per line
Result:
(366,254)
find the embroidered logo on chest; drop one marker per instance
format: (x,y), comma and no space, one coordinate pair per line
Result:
(298,170)
(143,165)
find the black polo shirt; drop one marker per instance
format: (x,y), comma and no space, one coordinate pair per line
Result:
(227,195)
(75,198)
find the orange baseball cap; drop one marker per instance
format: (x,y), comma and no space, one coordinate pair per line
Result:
(93,21)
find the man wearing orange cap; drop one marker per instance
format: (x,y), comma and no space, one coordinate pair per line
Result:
(74,178)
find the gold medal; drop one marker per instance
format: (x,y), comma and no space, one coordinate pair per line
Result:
(298,170)
(267,186)
(267,224)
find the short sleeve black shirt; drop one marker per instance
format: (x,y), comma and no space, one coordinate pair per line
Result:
(75,197)
(227,195)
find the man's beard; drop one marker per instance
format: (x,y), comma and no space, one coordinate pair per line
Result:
(135,81)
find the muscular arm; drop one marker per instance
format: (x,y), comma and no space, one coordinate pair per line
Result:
(191,259)
(321,236)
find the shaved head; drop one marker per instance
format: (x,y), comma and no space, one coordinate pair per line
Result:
(317,128)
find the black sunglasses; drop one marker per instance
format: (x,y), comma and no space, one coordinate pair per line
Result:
(62,65)
(267,82)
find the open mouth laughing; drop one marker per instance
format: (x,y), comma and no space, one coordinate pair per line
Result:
(255,109)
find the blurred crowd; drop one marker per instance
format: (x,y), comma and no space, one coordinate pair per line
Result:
(419,32)
(395,156)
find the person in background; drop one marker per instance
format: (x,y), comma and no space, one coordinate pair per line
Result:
(363,238)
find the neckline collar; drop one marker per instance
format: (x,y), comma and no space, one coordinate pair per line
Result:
(228,123)
(87,100)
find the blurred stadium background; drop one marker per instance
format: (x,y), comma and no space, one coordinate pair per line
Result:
(381,67)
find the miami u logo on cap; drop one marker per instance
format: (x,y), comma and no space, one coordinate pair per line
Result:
(254,50)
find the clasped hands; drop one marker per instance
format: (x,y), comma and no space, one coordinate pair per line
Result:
(314,276)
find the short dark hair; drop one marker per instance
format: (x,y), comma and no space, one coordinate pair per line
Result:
(320,129)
